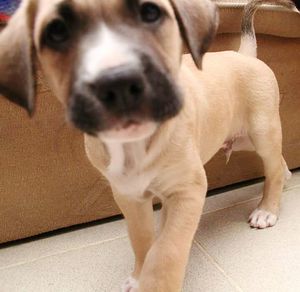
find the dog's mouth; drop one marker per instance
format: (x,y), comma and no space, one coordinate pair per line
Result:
(129,131)
(128,124)
(90,117)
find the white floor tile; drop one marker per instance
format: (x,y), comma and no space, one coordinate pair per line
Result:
(101,268)
(31,250)
(257,260)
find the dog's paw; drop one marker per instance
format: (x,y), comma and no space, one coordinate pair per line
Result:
(262,219)
(130,285)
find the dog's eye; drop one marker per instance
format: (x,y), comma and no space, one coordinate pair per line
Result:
(57,32)
(150,12)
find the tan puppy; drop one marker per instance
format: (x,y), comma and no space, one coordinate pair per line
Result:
(152,118)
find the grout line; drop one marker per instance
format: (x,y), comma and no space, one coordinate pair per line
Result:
(285,192)
(291,188)
(233,205)
(220,269)
(62,252)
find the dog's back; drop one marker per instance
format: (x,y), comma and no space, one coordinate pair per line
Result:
(235,83)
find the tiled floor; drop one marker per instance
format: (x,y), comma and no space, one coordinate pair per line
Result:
(227,255)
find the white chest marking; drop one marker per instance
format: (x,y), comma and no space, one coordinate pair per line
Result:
(126,171)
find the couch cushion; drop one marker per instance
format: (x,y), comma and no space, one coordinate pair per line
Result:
(270,19)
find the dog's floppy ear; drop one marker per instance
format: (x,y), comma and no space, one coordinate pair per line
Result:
(198,21)
(16,57)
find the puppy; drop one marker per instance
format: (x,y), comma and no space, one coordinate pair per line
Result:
(152,119)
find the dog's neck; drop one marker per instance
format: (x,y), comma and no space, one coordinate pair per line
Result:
(132,166)
(126,168)
(126,158)
(138,155)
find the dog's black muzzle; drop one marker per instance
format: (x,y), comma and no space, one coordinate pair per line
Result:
(124,94)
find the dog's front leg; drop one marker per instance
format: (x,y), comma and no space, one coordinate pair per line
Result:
(165,263)
(140,222)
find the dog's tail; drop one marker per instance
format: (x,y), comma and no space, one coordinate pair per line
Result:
(248,41)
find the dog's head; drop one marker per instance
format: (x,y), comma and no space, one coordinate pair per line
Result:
(113,64)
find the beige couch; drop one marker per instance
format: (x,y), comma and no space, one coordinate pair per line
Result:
(46,181)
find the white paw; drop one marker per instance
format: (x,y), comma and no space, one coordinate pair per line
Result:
(262,219)
(130,285)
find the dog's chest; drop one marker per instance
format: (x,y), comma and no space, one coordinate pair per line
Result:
(126,171)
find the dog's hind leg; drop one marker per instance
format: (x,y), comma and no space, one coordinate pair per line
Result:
(268,144)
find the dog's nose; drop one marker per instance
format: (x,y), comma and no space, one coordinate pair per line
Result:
(119,89)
